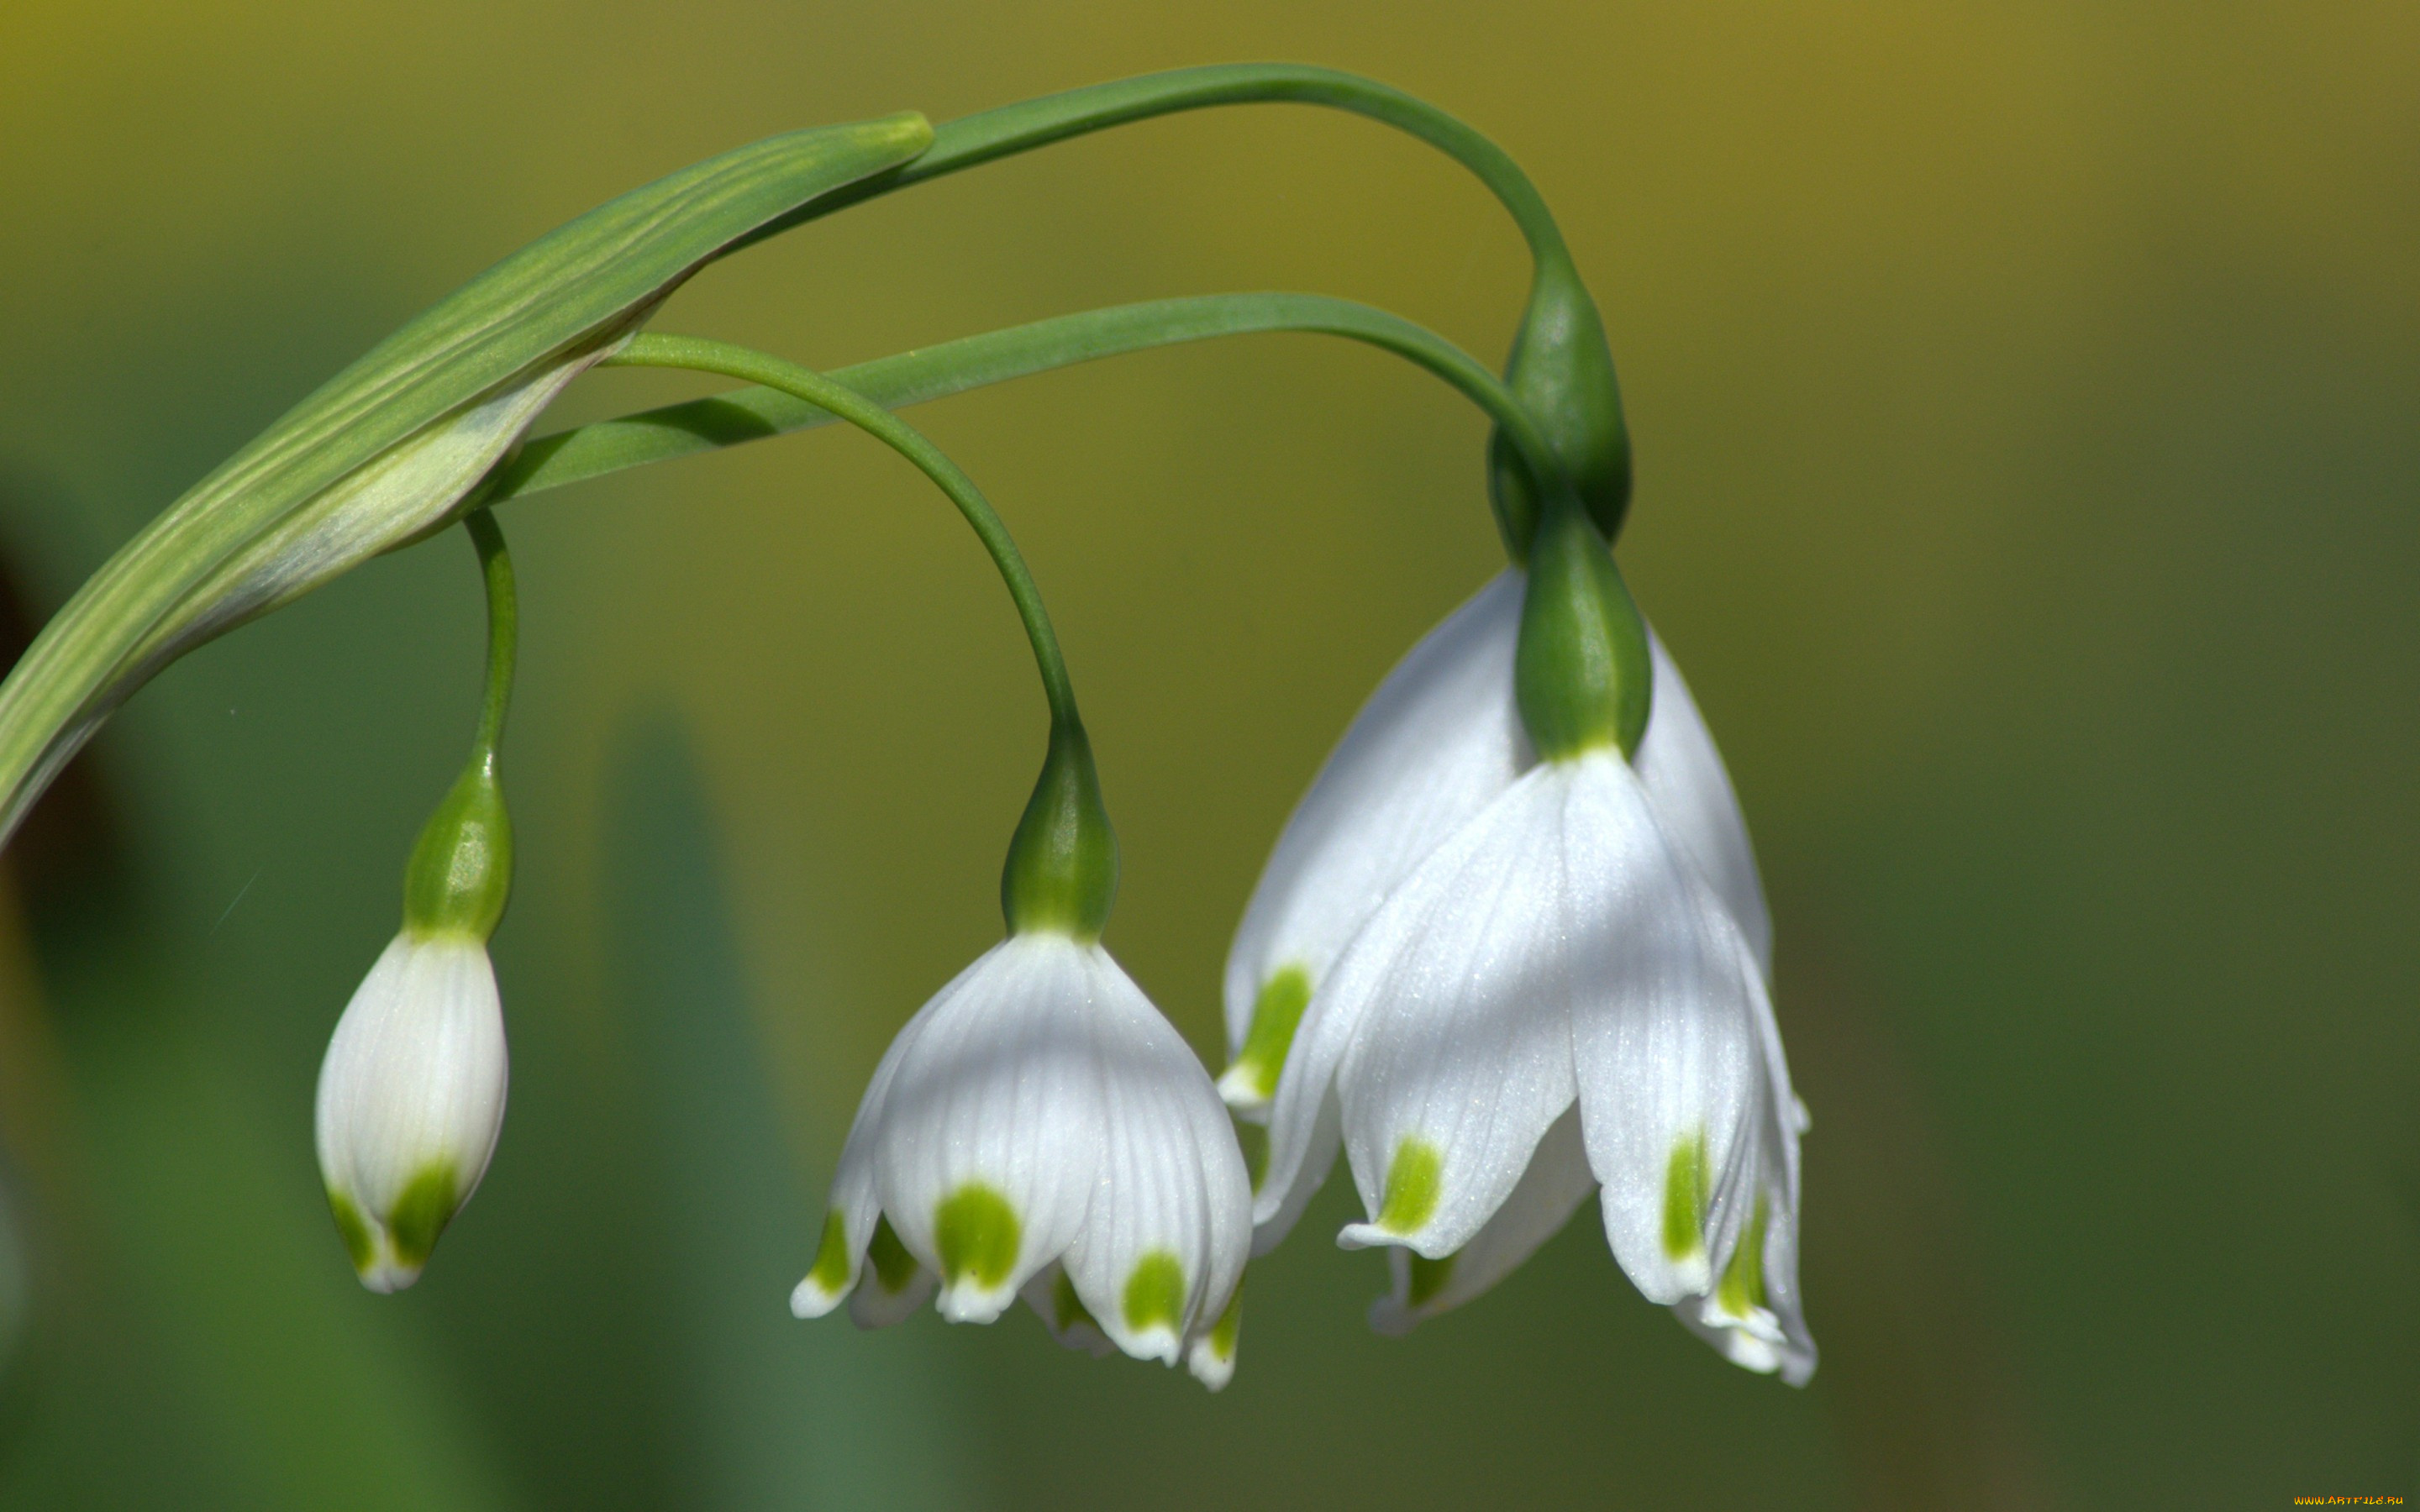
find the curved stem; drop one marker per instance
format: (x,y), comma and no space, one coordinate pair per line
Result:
(954,367)
(504,634)
(992,135)
(700,355)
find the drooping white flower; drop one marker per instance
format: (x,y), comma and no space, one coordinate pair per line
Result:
(1039,1127)
(1500,985)
(411,1096)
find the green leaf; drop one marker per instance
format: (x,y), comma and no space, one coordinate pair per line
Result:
(386,450)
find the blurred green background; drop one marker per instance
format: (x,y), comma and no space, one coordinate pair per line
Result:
(2027,406)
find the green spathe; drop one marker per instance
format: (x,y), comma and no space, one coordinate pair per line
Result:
(1561,370)
(1581,672)
(1061,873)
(1277,1012)
(349,472)
(977,1233)
(1414,1182)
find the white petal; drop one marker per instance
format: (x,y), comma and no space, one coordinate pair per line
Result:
(414,1082)
(1692,793)
(1461,988)
(1753,1314)
(1556,1184)
(1305,1125)
(994,1106)
(1165,1238)
(1211,1356)
(852,1212)
(892,1287)
(1053,1299)
(1786,1336)
(1435,742)
(1671,1074)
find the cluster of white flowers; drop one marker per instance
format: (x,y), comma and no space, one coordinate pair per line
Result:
(1499,983)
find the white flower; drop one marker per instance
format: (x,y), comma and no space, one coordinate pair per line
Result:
(1039,1127)
(1520,982)
(412,1095)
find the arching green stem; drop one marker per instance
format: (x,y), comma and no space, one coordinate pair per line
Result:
(700,355)
(460,873)
(972,362)
(1560,363)
(973,140)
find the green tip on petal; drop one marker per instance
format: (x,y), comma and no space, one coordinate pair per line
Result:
(1230,1323)
(1061,873)
(1414,1182)
(1212,1357)
(1740,1293)
(977,1233)
(1684,1199)
(428,1205)
(830,1270)
(894,1269)
(1276,1014)
(1156,1293)
(360,1245)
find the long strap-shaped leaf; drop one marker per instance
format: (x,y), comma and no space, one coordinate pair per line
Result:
(387,447)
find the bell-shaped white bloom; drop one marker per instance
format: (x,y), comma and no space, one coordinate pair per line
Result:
(1038,1126)
(1435,744)
(1500,985)
(1437,741)
(412,1095)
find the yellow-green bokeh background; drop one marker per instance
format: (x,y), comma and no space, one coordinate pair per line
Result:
(2027,408)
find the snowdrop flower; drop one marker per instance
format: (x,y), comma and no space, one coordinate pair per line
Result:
(411,1092)
(1502,982)
(1039,1128)
(411,1096)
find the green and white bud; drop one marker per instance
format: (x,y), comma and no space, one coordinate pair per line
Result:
(411,1092)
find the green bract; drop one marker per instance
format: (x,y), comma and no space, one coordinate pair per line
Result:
(1061,873)
(1561,370)
(1580,673)
(461,870)
(386,451)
